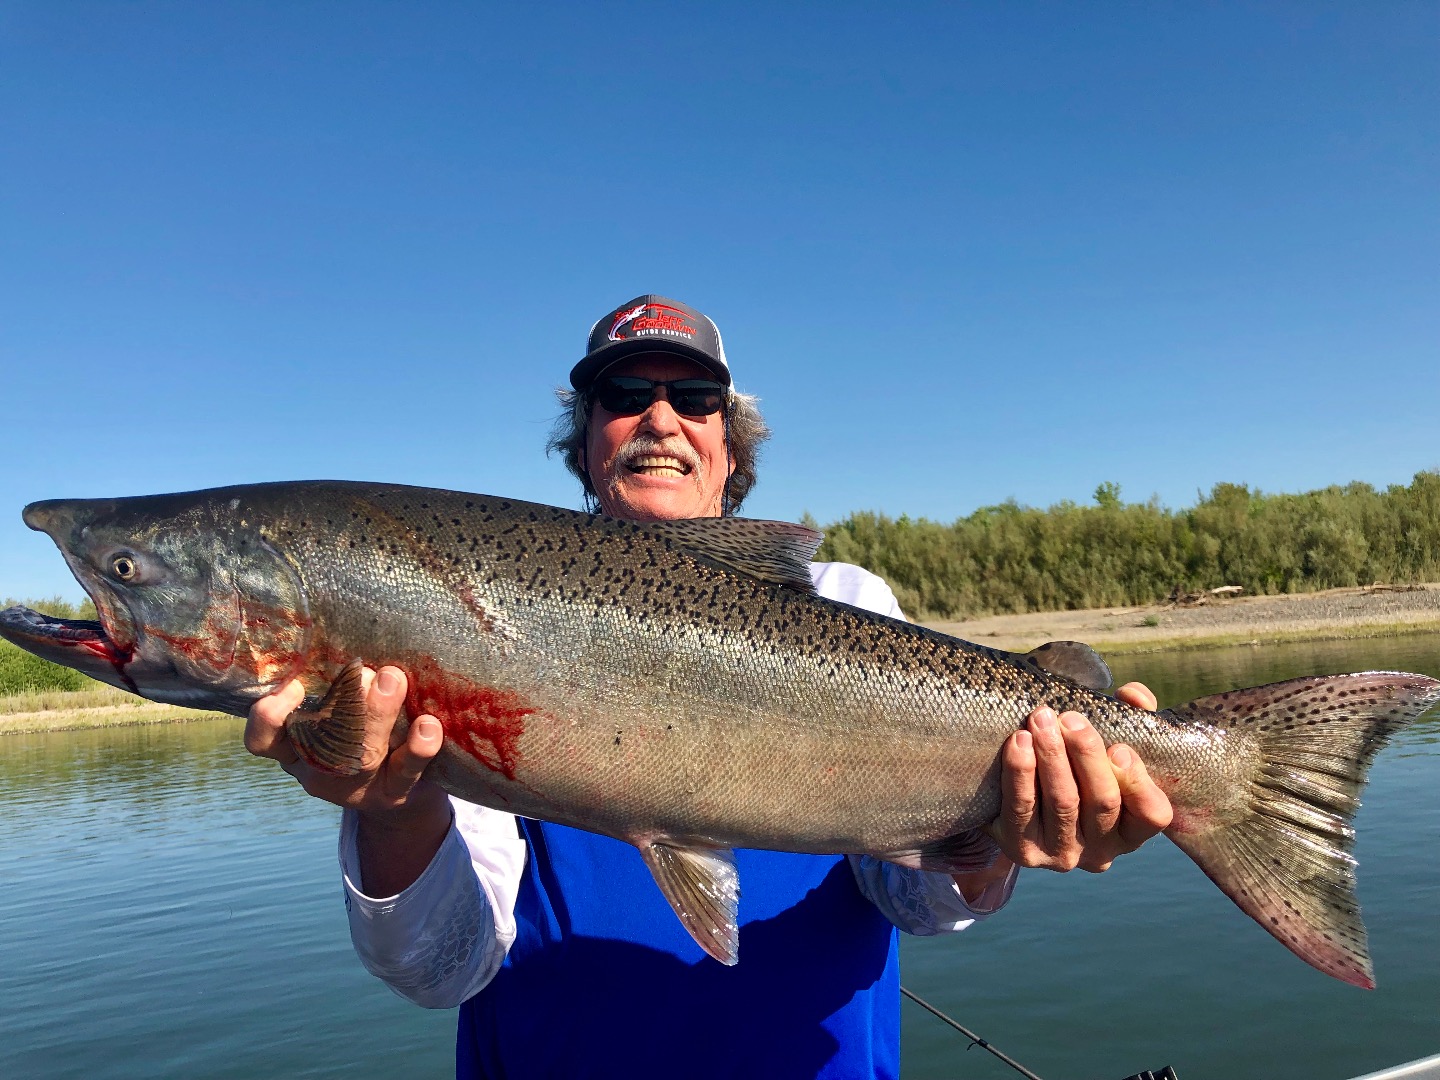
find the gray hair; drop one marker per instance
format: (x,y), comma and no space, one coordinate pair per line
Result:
(745,431)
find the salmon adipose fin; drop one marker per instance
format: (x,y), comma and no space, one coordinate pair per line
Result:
(1073,660)
(1281,848)
(703,887)
(332,738)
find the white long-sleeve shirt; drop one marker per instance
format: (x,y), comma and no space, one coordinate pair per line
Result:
(443,938)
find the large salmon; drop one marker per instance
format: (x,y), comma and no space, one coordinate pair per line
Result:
(678,685)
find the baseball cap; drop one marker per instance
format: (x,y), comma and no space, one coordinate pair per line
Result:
(651,324)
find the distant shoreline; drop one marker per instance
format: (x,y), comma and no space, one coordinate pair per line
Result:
(1331,615)
(132,713)
(1336,614)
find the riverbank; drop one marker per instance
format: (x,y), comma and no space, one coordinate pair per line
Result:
(55,710)
(1334,614)
(1247,620)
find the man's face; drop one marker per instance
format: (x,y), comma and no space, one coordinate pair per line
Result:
(658,465)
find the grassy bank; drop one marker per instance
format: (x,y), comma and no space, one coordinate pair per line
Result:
(97,706)
(1269,637)
(79,718)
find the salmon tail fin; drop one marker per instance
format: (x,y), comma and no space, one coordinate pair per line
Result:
(1283,850)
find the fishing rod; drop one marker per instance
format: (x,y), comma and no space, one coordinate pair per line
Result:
(975,1040)
(1166,1073)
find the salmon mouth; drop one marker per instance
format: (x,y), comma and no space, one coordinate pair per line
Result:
(58,640)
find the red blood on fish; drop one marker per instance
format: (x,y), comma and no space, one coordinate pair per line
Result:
(485,721)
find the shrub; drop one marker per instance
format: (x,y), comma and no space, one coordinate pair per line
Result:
(24,673)
(1013,558)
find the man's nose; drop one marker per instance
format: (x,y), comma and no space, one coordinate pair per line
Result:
(660,419)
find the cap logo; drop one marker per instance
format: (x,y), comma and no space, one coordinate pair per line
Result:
(651,320)
(623,317)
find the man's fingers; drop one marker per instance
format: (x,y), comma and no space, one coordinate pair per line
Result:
(265,726)
(1059,795)
(408,760)
(1100,800)
(1139,695)
(384,698)
(1147,808)
(1016,823)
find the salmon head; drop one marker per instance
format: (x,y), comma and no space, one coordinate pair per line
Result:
(195,606)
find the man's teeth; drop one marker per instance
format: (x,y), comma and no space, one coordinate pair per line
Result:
(665,464)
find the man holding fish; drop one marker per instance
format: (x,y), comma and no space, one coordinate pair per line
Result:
(564,957)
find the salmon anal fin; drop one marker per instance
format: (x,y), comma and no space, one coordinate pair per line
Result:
(704,889)
(1073,660)
(960,853)
(332,737)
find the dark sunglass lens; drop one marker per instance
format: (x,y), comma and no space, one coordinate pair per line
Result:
(625,396)
(696,397)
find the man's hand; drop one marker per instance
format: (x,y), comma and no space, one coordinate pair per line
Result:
(403,819)
(1065,802)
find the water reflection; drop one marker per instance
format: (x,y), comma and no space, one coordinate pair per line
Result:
(172,909)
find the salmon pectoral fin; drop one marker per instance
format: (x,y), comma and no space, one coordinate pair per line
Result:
(703,887)
(960,853)
(1286,858)
(332,737)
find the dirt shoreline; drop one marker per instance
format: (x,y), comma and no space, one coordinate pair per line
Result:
(101,716)
(1246,620)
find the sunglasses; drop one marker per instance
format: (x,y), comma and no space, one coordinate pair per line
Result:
(628,395)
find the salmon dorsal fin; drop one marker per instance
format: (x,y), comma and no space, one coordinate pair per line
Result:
(774,551)
(1073,660)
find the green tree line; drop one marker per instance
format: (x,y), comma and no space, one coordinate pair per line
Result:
(25,673)
(1012,558)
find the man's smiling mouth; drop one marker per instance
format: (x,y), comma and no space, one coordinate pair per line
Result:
(657,465)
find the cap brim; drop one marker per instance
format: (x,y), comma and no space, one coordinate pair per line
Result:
(585,372)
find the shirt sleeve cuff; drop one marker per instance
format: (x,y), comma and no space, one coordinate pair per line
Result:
(993,897)
(922,902)
(434,943)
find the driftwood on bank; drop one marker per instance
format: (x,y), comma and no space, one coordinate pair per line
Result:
(1180,597)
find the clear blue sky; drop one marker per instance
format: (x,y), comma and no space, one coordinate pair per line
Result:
(963,252)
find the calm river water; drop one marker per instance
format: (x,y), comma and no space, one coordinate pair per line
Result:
(172,908)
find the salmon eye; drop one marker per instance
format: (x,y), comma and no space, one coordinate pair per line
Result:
(123,567)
